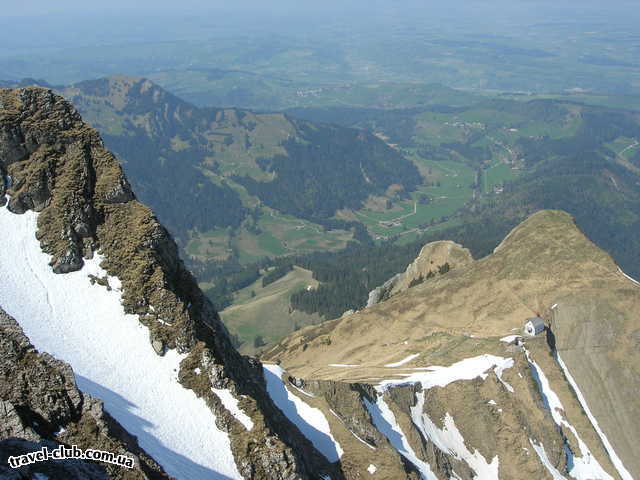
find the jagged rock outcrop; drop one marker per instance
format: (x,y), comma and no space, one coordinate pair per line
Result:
(40,405)
(435,258)
(53,163)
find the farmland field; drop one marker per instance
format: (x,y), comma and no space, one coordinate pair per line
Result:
(264,312)
(274,234)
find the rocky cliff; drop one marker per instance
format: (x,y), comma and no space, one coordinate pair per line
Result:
(435,258)
(40,405)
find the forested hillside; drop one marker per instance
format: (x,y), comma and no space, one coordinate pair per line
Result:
(334,168)
(222,179)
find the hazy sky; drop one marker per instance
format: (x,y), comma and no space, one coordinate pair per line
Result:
(34,7)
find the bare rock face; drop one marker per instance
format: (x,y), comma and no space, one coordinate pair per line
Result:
(67,469)
(598,342)
(435,258)
(40,405)
(45,147)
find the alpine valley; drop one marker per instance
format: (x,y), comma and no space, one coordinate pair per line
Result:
(288,219)
(108,342)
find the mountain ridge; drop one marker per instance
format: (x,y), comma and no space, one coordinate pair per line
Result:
(544,267)
(262,157)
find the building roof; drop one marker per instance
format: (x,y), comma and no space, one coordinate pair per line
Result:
(536,321)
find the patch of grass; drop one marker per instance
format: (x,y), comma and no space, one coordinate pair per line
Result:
(269,243)
(212,244)
(496,175)
(264,311)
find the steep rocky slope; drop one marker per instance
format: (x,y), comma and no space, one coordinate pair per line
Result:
(89,221)
(40,405)
(506,407)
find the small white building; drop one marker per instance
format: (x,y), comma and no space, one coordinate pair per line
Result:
(534,326)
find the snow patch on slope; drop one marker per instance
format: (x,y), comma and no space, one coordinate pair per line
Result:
(309,420)
(110,353)
(453,443)
(508,363)
(466,369)
(632,279)
(231,403)
(622,471)
(509,338)
(585,467)
(385,421)
(299,390)
(403,361)
(542,454)
(450,441)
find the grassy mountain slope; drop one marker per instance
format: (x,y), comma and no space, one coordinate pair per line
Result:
(206,170)
(261,314)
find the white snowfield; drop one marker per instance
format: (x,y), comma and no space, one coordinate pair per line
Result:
(403,361)
(231,403)
(542,454)
(310,421)
(585,466)
(385,421)
(85,325)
